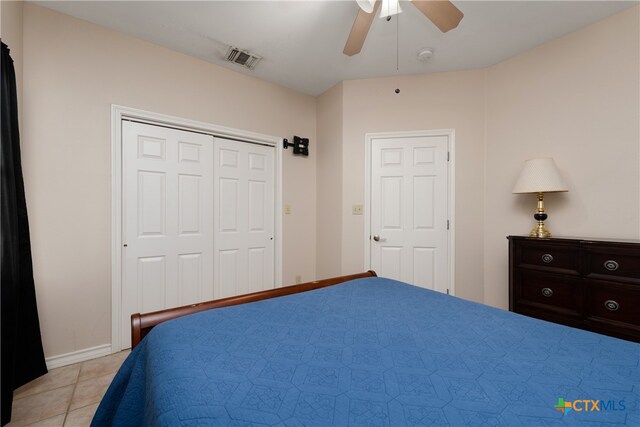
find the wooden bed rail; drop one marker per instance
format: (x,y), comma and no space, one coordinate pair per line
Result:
(141,324)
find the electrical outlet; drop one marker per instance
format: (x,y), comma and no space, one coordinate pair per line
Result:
(356,210)
(298,279)
(287,209)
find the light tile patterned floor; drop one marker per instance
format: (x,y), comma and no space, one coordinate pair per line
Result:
(67,396)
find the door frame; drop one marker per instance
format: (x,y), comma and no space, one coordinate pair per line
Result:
(368,142)
(120,113)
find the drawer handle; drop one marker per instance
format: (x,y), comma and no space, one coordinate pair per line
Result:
(547,292)
(611,265)
(611,305)
(547,258)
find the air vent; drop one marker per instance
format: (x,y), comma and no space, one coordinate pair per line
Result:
(242,57)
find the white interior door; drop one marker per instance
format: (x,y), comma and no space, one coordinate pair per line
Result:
(244,221)
(409,210)
(168,220)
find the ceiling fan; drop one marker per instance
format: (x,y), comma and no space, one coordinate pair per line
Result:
(442,13)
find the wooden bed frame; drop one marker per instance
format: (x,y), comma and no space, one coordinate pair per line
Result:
(141,324)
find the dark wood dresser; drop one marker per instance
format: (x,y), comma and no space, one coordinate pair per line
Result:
(586,283)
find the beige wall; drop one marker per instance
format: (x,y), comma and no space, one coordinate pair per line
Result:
(574,99)
(328,151)
(425,102)
(11,34)
(73,72)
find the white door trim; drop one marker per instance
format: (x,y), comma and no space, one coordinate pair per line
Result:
(119,113)
(368,140)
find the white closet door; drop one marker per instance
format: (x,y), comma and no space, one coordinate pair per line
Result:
(243,218)
(168,220)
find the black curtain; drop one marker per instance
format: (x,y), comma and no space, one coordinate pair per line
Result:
(22,354)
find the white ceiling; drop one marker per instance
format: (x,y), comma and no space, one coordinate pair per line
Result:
(302,41)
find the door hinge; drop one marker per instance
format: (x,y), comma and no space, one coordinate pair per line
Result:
(448,153)
(447,224)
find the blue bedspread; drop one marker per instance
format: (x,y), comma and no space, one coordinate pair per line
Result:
(372,352)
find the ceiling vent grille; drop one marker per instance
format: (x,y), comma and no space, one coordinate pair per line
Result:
(242,57)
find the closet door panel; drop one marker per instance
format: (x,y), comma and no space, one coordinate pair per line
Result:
(167,190)
(244,221)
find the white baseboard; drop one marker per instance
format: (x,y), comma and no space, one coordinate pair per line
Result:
(78,356)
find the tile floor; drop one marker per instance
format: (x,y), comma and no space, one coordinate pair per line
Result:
(67,396)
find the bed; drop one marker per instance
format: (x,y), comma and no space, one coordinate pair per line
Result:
(369,351)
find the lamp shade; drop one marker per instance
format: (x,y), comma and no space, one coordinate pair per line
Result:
(540,176)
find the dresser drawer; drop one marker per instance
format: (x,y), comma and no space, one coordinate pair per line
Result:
(586,283)
(613,302)
(549,316)
(550,255)
(617,264)
(549,291)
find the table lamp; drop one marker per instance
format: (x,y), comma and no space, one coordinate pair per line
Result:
(540,176)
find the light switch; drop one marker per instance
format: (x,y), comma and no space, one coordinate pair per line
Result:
(356,210)
(287,209)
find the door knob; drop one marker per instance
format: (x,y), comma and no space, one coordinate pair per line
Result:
(378,239)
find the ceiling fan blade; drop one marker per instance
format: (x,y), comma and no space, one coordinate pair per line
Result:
(441,12)
(360,30)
